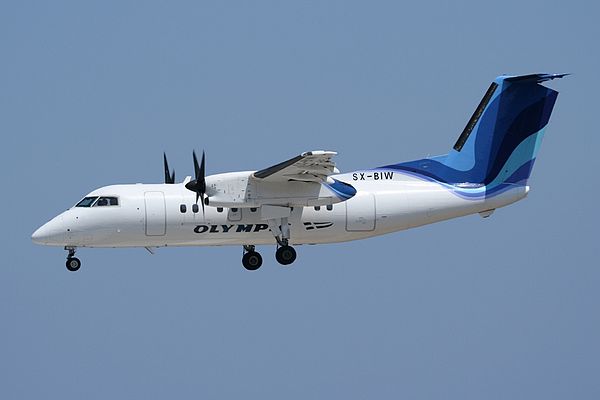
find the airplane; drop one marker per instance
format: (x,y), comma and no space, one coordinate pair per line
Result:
(307,200)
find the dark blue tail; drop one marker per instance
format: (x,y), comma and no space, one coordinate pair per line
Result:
(500,142)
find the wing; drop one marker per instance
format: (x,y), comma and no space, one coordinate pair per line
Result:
(311,166)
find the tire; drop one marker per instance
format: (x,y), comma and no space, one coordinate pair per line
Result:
(285,255)
(252,260)
(73,264)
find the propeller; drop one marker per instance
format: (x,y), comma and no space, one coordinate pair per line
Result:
(198,185)
(169,177)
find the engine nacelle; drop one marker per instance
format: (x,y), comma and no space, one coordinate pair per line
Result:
(229,189)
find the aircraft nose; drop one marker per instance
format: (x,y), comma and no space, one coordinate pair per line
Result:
(51,233)
(39,235)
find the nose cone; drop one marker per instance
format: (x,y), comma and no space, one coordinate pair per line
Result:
(51,233)
(38,236)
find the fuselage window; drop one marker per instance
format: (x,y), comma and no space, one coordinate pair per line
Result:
(182,208)
(195,208)
(87,202)
(234,210)
(329,207)
(219,209)
(252,209)
(317,208)
(107,201)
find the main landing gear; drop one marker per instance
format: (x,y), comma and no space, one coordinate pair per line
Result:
(73,263)
(285,254)
(252,260)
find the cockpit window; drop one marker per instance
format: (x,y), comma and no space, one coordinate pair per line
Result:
(107,201)
(87,202)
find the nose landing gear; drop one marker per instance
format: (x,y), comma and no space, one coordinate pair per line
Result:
(73,263)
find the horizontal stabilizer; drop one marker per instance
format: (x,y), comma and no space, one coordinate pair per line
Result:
(537,78)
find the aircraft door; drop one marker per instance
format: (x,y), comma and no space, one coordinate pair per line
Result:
(156,216)
(360,213)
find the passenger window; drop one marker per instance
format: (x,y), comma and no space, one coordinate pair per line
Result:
(329,207)
(195,208)
(182,208)
(317,208)
(219,209)
(252,209)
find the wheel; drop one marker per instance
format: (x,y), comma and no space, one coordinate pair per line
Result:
(252,260)
(73,264)
(285,255)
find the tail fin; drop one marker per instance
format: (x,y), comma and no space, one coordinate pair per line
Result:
(501,139)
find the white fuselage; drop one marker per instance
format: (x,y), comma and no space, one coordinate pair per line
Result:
(150,215)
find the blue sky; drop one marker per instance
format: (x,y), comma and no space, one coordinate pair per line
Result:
(93,93)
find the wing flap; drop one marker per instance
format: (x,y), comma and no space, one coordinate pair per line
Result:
(310,166)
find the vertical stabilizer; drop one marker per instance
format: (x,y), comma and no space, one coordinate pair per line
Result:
(500,142)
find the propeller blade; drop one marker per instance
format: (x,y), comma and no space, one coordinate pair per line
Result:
(199,184)
(169,177)
(196,167)
(202,182)
(202,174)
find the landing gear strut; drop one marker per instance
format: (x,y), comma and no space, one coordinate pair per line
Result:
(252,259)
(285,254)
(73,263)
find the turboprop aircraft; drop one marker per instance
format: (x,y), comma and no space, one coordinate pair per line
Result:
(306,200)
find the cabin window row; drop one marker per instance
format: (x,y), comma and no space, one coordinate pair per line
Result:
(329,207)
(196,209)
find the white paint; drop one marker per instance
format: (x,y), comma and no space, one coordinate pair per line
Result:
(156,217)
(273,212)
(400,203)
(360,212)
